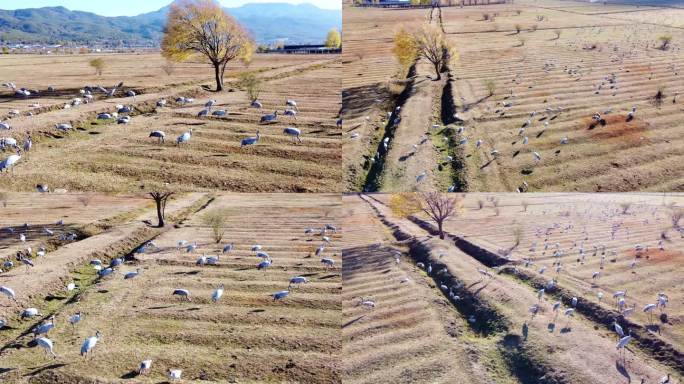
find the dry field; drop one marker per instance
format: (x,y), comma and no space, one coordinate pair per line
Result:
(569,61)
(101,155)
(490,316)
(245,336)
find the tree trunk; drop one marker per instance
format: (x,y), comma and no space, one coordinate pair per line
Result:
(441,232)
(160,212)
(437,71)
(219,77)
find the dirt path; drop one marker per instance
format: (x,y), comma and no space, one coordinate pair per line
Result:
(412,157)
(564,350)
(49,275)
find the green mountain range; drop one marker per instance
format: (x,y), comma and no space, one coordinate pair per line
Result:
(297,24)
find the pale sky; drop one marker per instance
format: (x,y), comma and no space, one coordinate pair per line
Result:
(136,7)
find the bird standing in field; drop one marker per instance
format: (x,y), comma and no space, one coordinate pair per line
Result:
(250,140)
(217,293)
(46,344)
(89,344)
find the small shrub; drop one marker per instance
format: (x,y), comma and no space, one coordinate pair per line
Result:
(98,64)
(216,221)
(665,41)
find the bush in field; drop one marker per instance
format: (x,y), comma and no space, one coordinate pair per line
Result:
(216,221)
(251,84)
(5,51)
(487,17)
(518,28)
(665,41)
(625,207)
(490,85)
(99,65)
(557,32)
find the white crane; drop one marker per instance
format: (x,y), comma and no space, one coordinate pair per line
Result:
(159,135)
(250,140)
(145,367)
(89,344)
(297,280)
(184,138)
(217,293)
(280,295)
(622,344)
(293,133)
(9,292)
(46,344)
(75,319)
(184,294)
(174,374)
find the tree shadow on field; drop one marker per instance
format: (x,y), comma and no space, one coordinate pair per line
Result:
(130,375)
(350,322)
(38,370)
(623,371)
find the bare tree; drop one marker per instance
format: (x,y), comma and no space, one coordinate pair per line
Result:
(525,204)
(437,206)
(432,45)
(625,207)
(160,198)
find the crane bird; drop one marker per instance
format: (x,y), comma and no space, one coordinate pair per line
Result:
(89,344)
(250,140)
(367,303)
(132,274)
(220,112)
(10,161)
(291,112)
(160,135)
(184,138)
(264,264)
(75,319)
(203,113)
(217,293)
(297,280)
(291,103)
(174,374)
(649,309)
(618,330)
(63,126)
(294,133)
(184,294)
(123,120)
(329,263)
(45,327)
(209,104)
(421,177)
(268,119)
(9,292)
(622,344)
(256,104)
(569,313)
(46,344)
(29,313)
(280,295)
(228,248)
(145,367)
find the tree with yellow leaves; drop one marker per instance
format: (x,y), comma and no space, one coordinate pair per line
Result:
(333,40)
(404,49)
(436,205)
(202,27)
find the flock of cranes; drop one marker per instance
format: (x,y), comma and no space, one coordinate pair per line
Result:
(123,115)
(42,330)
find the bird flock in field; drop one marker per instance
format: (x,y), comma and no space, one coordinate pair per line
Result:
(573,244)
(123,114)
(108,271)
(524,125)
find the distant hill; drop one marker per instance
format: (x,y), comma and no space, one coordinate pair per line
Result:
(304,23)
